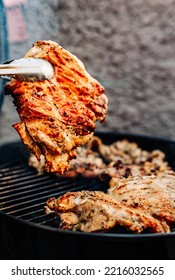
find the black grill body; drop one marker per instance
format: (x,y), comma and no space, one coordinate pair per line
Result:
(26,232)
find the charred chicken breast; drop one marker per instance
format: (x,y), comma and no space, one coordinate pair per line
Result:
(58,115)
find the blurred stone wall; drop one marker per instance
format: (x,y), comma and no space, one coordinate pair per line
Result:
(129,46)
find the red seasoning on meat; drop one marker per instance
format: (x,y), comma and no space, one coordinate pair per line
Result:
(58,115)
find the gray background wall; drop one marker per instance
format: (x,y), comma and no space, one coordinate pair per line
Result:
(129,46)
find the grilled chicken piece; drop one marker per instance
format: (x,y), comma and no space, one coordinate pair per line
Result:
(58,115)
(154,194)
(96,211)
(90,162)
(129,153)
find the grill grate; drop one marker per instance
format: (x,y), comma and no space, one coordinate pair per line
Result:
(24,192)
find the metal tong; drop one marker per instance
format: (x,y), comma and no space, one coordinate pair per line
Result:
(27,69)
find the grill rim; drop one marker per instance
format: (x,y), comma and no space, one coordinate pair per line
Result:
(106,236)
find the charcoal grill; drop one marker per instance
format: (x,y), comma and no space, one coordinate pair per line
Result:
(26,232)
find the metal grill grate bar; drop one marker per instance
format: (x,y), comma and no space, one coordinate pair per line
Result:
(21,197)
(14,168)
(12,177)
(27,216)
(29,185)
(29,204)
(19,179)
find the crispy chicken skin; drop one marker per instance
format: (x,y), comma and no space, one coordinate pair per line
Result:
(96,211)
(154,194)
(58,115)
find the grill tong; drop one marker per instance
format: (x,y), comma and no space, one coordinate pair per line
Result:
(27,69)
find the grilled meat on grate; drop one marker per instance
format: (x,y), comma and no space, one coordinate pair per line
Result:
(154,194)
(141,193)
(126,159)
(90,211)
(58,115)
